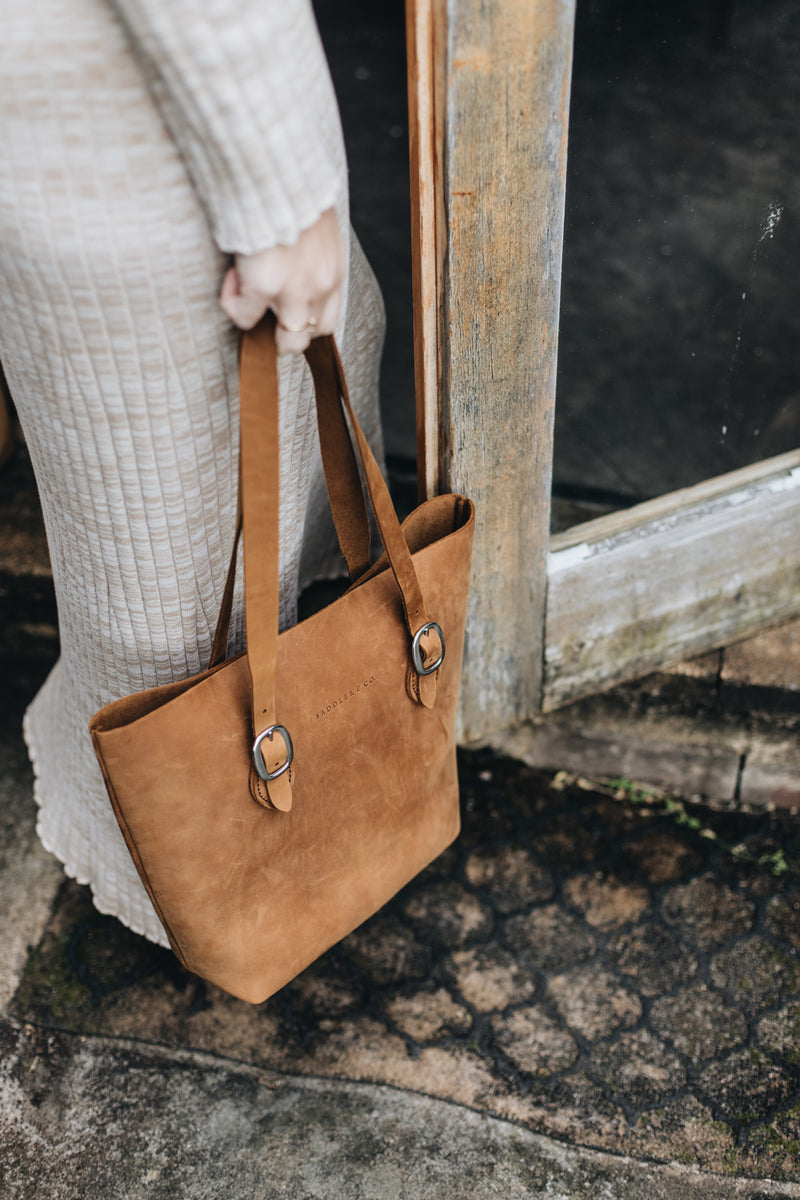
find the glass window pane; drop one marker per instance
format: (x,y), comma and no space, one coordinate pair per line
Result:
(680,326)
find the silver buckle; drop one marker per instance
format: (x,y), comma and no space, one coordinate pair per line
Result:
(416,649)
(258,754)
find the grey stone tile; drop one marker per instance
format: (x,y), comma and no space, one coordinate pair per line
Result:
(549,938)
(708,912)
(594,1002)
(638,1068)
(698,1022)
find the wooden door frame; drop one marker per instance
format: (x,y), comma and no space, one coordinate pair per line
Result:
(688,572)
(487,219)
(549,621)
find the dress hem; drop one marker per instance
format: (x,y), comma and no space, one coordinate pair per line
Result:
(71,870)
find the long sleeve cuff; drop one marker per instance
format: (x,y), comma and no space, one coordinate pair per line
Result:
(245,90)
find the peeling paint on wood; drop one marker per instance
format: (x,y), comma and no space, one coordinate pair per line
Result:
(777,473)
(675,577)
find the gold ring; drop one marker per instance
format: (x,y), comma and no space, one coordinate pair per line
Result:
(311,323)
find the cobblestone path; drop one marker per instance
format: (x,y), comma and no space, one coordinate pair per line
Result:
(612,968)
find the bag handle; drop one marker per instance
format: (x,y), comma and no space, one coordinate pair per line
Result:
(259,500)
(342,478)
(343,483)
(394,542)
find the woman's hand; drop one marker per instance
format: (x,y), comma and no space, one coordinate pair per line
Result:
(302,284)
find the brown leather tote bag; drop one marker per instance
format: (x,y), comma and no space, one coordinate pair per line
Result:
(274,802)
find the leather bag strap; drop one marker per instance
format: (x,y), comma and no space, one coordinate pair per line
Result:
(342,477)
(343,483)
(392,536)
(259,510)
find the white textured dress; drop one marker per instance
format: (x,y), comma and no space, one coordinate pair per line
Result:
(141,142)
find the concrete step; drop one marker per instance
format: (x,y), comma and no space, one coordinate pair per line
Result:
(185,1126)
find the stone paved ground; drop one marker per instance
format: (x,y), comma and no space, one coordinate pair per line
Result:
(616,970)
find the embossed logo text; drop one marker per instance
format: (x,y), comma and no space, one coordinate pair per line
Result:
(347,694)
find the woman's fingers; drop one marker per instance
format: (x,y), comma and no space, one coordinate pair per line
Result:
(302,284)
(296,327)
(244,306)
(293,340)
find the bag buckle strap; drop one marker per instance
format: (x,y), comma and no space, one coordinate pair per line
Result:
(258,753)
(418,653)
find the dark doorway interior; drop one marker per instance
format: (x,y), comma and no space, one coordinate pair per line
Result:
(365,44)
(680,321)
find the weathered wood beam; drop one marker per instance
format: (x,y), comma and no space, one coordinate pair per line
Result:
(503,77)
(425,33)
(679,575)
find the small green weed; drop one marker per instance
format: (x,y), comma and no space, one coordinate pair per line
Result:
(628,791)
(672,806)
